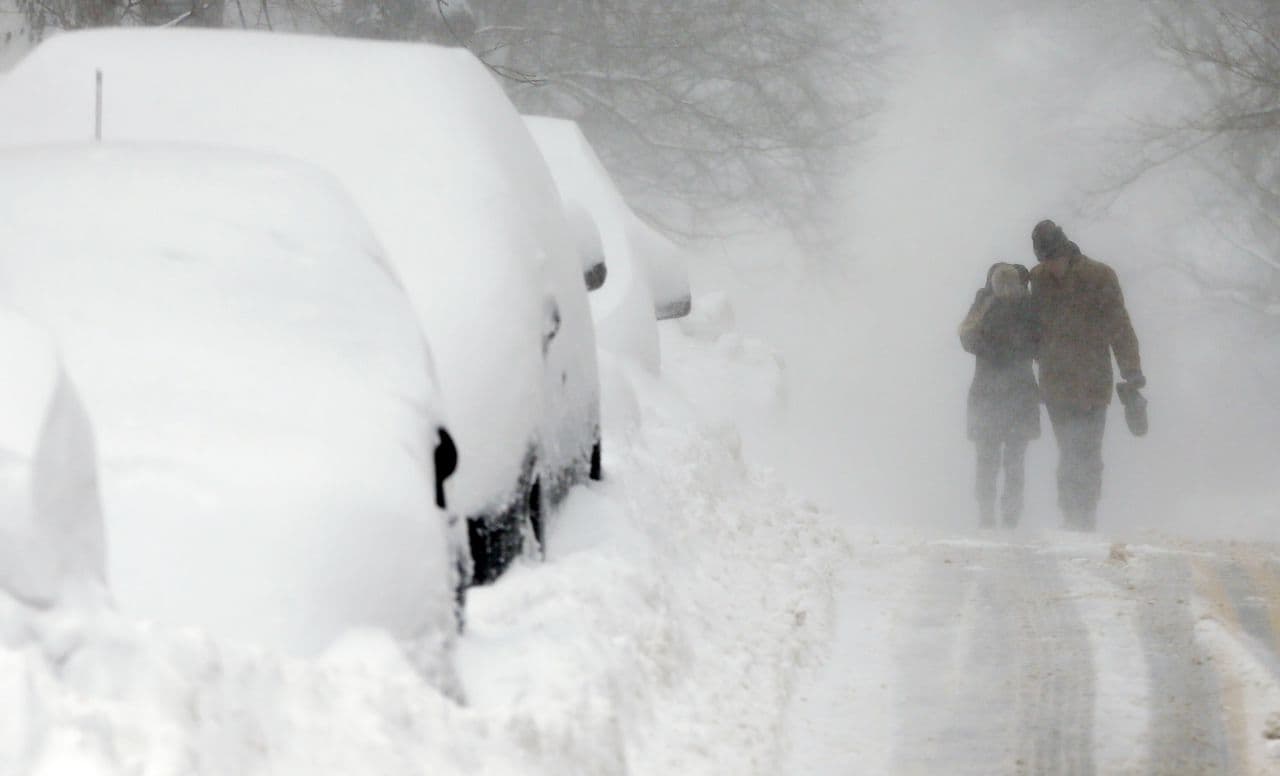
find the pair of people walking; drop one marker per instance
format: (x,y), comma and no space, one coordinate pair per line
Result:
(1068,315)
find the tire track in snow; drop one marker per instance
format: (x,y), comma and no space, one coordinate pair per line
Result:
(1252,591)
(996,671)
(1239,601)
(1056,715)
(1186,736)
(1265,573)
(954,705)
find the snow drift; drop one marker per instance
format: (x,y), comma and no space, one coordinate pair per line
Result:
(685,585)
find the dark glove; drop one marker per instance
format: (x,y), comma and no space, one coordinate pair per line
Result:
(1136,379)
(1135,406)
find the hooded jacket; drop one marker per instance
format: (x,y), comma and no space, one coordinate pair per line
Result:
(1004,335)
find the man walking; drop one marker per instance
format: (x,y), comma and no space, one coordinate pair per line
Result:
(1084,320)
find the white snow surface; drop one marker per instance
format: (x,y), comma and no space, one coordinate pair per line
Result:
(436,157)
(50,518)
(686,584)
(258,383)
(984,655)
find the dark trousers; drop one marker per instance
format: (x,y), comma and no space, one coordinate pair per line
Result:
(1079,435)
(991,453)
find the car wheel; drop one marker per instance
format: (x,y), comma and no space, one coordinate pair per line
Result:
(497,540)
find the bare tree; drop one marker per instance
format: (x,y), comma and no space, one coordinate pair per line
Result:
(438,21)
(702,109)
(1230,52)
(44,15)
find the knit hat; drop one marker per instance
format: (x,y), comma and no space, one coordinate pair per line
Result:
(1048,240)
(1007,281)
(1024,274)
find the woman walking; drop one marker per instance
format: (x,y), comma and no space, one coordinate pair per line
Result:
(1002,330)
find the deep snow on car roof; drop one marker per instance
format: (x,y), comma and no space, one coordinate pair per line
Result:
(422,109)
(429,146)
(258,383)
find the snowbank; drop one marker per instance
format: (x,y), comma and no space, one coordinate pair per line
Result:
(662,635)
(689,585)
(258,383)
(50,520)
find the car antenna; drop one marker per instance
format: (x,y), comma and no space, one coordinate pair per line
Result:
(97,107)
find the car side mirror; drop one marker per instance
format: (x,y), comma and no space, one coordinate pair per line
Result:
(588,244)
(595,276)
(446,461)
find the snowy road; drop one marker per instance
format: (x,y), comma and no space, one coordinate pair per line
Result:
(1059,655)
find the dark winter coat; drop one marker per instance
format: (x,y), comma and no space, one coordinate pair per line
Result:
(1004,401)
(1084,320)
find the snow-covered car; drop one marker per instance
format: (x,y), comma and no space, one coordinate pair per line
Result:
(266,416)
(582,177)
(51,548)
(623,306)
(646,272)
(666,267)
(438,159)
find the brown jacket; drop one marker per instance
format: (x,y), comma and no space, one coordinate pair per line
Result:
(1084,320)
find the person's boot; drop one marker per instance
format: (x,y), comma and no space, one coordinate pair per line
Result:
(1080,520)
(1011,510)
(987,515)
(1089,519)
(1012,516)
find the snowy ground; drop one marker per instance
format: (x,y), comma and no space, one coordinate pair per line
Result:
(1049,654)
(1136,650)
(696,616)
(685,585)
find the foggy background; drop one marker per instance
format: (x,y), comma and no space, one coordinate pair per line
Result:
(996,115)
(850,170)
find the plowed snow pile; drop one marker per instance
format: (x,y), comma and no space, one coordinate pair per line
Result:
(662,635)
